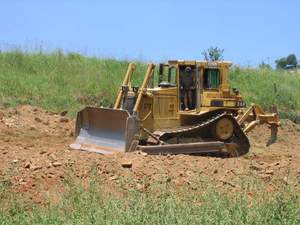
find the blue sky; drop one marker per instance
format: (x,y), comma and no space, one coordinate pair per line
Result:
(248,31)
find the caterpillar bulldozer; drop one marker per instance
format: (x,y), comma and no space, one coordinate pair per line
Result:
(190,110)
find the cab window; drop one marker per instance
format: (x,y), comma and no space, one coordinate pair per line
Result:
(167,76)
(211,79)
(172,75)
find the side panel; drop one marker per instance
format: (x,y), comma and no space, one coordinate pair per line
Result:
(165,108)
(146,112)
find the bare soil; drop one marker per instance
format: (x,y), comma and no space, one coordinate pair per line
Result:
(35,159)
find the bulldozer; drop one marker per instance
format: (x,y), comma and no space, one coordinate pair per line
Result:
(181,107)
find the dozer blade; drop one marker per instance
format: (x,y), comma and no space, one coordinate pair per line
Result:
(103,130)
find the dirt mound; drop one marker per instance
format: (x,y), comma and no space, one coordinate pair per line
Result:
(35,158)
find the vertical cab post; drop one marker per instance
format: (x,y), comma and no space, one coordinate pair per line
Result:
(198,88)
(160,72)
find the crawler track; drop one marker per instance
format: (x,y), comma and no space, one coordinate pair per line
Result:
(238,144)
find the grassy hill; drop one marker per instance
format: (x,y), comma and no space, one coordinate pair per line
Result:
(58,82)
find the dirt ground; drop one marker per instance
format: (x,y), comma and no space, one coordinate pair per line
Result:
(35,158)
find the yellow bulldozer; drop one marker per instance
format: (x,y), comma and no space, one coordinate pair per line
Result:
(187,108)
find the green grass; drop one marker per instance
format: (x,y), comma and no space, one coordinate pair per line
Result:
(269,87)
(163,205)
(58,82)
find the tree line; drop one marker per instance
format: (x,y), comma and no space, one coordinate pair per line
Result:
(289,62)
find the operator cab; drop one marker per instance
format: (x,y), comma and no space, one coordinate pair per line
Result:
(193,81)
(186,83)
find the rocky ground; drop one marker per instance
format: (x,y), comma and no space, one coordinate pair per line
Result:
(35,159)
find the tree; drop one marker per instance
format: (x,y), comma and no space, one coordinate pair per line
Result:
(213,54)
(281,63)
(291,60)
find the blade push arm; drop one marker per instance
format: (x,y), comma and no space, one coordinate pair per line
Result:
(126,81)
(254,116)
(149,73)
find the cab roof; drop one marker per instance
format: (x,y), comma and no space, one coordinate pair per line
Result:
(202,63)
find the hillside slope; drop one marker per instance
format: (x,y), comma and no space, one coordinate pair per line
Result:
(58,82)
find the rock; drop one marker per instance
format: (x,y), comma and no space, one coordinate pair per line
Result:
(169,156)
(276,164)
(15,161)
(52,157)
(64,113)
(50,175)
(139,187)
(56,164)
(179,182)
(29,146)
(228,183)
(37,119)
(266,177)
(27,165)
(126,164)
(286,180)
(1,115)
(113,177)
(261,163)
(21,180)
(35,168)
(189,173)
(255,167)
(32,127)
(144,153)
(13,112)
(63,120)
(271,172)
(43,152)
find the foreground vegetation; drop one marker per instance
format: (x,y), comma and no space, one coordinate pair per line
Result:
(164,205)
(59,82)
